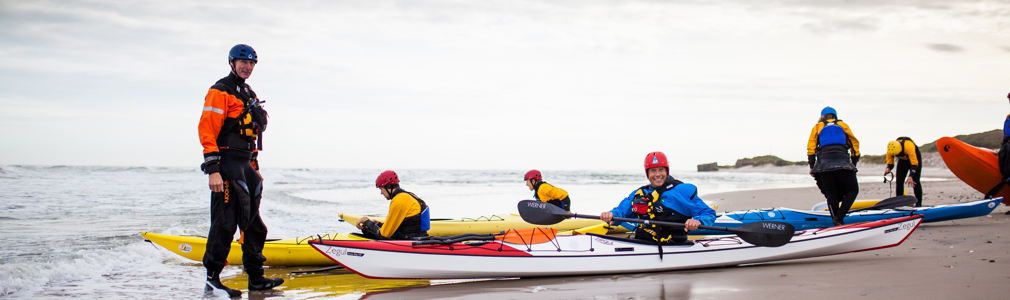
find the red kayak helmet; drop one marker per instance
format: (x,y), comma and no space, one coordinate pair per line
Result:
(386,178)
(656,159)
(533,174)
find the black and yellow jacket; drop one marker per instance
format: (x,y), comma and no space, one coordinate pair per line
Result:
(551,194)
(404,211)
(546,192)
(909,152)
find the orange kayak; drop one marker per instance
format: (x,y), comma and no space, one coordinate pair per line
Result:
(978,167)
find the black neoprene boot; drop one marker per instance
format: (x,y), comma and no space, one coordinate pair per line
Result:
(258,283)
(214,283)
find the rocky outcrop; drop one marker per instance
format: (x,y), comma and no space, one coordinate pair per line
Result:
(709,167)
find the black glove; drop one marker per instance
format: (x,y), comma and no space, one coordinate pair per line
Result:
(811,159)
(372,230)
(855,159)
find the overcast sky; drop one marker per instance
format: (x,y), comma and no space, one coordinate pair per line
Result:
(555,85)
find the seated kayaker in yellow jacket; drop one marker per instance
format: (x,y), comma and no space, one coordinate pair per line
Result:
(908,161)
(546,192)
(408,216)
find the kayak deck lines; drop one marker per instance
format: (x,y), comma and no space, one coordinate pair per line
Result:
(761,213)
(550,234)
(491,218)
(305,240)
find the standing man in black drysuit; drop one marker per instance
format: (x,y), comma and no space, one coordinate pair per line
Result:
(231,128)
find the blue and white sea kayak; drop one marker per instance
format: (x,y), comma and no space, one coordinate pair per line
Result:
(804,219)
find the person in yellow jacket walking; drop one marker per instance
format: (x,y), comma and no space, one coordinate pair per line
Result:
(832,152)
(908,158)
(546,192)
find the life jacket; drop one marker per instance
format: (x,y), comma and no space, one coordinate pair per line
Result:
(1006,130)
(416,225)
(565,203)
(1006,126)
(646,206)
(242,133)
(902,155)
(832,134)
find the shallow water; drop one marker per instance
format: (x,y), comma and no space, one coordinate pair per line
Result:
(75,231)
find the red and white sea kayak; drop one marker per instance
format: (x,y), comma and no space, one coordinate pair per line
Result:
(597,254)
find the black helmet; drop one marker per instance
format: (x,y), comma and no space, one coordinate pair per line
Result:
(242,51)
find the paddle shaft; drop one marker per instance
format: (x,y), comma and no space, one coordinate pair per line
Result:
(661,223)
(763,233)
(995,189)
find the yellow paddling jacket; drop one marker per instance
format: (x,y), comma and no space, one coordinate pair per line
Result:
(908,152)
(402,206)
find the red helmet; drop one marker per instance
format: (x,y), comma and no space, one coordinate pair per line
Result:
(533,174)
(656,159)
(386,178)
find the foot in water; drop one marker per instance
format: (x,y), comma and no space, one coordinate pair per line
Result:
(215,284)
(263,283)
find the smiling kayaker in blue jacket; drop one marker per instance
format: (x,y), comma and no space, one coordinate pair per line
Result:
(664,199)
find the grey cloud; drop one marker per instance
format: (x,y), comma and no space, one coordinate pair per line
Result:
(945,48)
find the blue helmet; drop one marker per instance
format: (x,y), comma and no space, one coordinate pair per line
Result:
(828,110)
(242,51)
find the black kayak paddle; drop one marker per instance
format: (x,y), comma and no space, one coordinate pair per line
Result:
(763,233)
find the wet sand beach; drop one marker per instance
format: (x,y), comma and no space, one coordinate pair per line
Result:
(968,258)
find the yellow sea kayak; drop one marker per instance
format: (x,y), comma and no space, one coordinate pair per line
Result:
(286,252)
(483,224)
(858,204)
(297,252)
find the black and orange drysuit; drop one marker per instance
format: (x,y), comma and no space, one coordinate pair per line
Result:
(908,160)
(230,130)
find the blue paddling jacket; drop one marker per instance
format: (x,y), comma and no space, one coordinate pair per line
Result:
(680,197)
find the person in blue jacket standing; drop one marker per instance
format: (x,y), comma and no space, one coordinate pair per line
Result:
(663,199)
